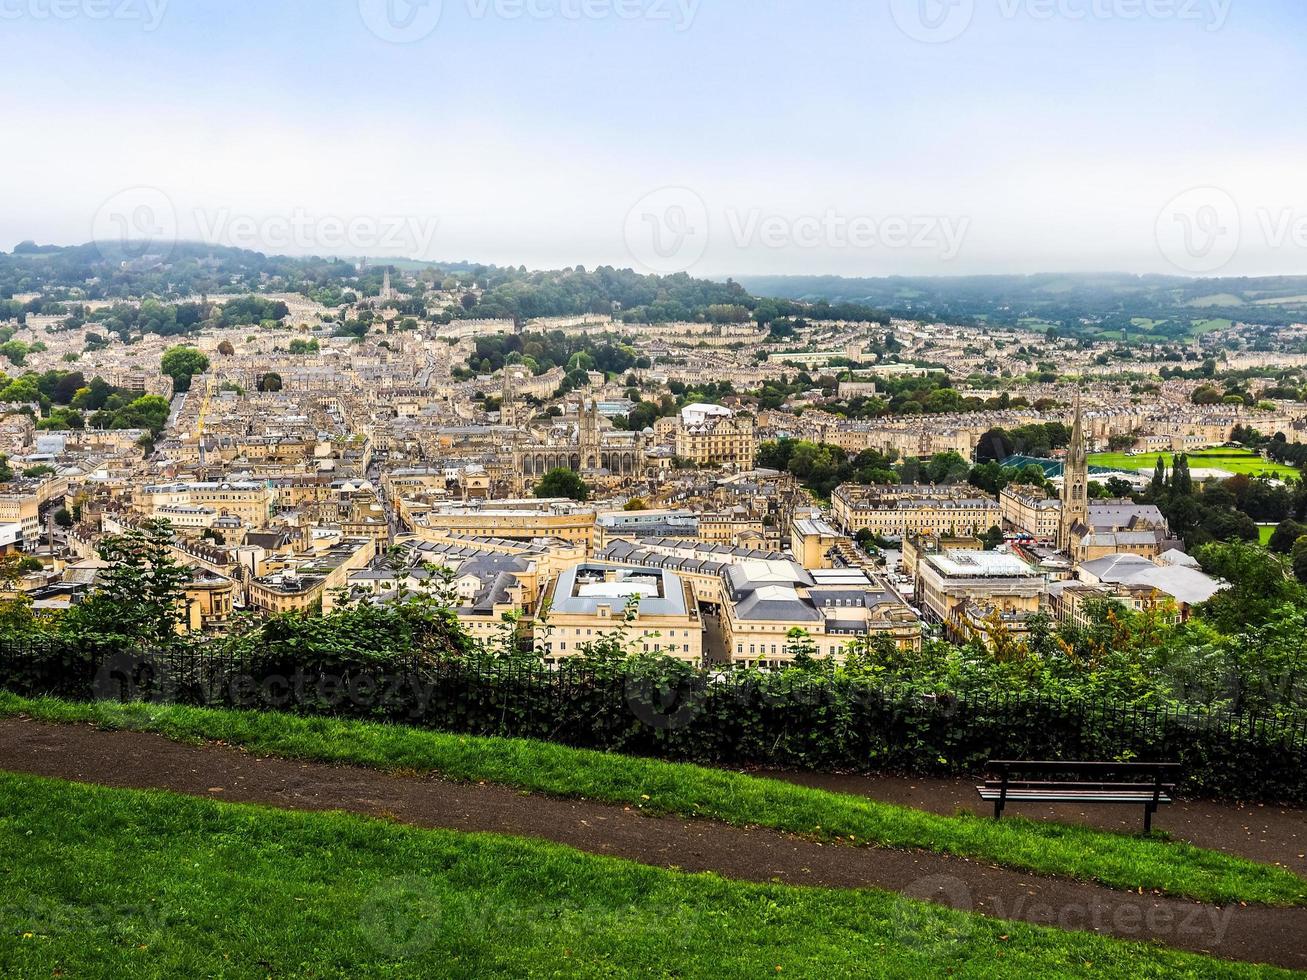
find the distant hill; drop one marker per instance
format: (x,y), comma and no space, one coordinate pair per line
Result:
(1142,308)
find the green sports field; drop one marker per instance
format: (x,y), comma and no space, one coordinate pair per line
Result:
(1233,461)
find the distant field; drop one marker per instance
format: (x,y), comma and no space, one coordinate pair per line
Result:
(1234,461)
(1216,299)
(1275,300)
(1264,532)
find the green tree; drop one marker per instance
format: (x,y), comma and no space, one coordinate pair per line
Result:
(182,364)
(1299,559)
(1182,484)
(1158,486)
(562,483)
(1258,583)
(1285,536)
(270,382)
(142,592)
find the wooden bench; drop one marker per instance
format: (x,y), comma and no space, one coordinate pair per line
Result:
(1146,784)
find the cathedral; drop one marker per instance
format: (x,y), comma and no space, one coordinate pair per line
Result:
(583,446)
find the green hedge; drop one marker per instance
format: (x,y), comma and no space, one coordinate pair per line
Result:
(657,707)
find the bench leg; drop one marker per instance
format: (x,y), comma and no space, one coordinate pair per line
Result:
(1148,818)
(998,808)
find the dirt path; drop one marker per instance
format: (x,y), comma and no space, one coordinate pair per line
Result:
(1260,832)
(142,761)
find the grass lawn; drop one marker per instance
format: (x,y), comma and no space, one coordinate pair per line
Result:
(1120,860)
(1264,532)
(1234,461)
(105,882)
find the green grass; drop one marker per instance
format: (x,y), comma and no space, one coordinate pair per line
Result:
(1264,533)
(1154,863)
(1234,461)
(108,882)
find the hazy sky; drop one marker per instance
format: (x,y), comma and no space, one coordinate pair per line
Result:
(858,137)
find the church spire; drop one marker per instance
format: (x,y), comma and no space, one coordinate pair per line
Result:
(1075,483)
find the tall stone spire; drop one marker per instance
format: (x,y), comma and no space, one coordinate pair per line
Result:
(508,399)
(1075,482)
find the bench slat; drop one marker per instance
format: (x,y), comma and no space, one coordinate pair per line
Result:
(1135,798)
(1045,764)
(1026,784)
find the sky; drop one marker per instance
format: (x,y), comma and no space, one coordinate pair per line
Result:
(846,137)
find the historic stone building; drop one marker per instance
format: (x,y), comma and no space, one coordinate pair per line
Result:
(583,447)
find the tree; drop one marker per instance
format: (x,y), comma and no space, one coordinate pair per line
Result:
(562,483)
(1182,484)
(142,593)
(226,349)
(993,538)
(1259,582)
(1285,536)
(1300,559)
(63,518)
(1159,479)
(994,446)
(270,382)
(182,364)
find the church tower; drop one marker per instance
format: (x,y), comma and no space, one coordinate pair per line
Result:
(589,424)
(1075,484)
(508,399)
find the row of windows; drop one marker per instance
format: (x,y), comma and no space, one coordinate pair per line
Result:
(657,647)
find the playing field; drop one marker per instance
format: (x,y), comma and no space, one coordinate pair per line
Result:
(1233,461)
